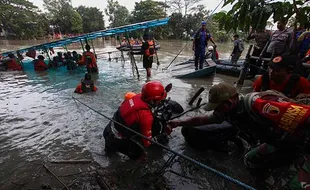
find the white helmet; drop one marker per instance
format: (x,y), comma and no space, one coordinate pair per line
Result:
(210,48)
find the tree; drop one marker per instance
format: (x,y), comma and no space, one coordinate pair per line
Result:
(60,13)
(255,14)
(118,14)
(76,22)
(176,28)
(184,7)
(148,10)
(21,19)
(93,19)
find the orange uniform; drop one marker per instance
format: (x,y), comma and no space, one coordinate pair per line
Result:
(86,86)
(14,66)
(301,86)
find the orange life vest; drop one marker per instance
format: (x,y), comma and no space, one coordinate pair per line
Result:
(14,66)
(151,50)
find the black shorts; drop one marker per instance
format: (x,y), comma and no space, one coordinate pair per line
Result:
(147,62)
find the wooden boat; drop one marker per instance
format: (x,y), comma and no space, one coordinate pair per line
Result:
(136,48)
(223,66)
(188,70)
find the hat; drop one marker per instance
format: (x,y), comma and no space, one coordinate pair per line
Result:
(283,61)
(203,23)
(218,94)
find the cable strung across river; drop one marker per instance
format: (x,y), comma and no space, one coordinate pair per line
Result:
(235,181)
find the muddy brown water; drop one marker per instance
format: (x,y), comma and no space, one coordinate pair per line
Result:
(40,122)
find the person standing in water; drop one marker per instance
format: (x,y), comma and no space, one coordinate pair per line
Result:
(89,59)
(86,85)
(148,50)
(200,43)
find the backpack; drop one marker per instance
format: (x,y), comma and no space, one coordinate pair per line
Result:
(240,46)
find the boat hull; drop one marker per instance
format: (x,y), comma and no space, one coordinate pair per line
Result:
(135,48)
(188,70)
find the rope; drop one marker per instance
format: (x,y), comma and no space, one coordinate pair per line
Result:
(218,173)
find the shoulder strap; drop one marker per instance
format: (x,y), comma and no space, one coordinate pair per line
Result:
(265,81)
(291,84)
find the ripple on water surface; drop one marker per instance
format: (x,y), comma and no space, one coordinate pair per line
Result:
(39,119)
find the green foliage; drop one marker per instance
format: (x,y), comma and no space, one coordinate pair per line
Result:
(148,10)
(256,13)
(21,19)
(118,14)
(76,22)
(92,17)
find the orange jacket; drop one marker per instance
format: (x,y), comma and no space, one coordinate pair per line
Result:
(39,65)
(88,59)
(79,88)
(14,66)
(303,86)
(151,48)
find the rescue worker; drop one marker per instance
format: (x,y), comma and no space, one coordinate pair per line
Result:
(39,64)
(89,59)
(238,49)
(280,42)
(135,113)
(266,117)
(200,43)
(12,64)
(86,85)
(261,38)
(278,78)
(148,51)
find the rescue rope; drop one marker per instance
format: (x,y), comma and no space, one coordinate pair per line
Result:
(218,173)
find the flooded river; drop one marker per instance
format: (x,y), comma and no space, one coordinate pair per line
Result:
(41,122)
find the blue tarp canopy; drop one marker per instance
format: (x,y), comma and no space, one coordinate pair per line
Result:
(94,35)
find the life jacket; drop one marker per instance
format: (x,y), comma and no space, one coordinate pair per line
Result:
(124,113)
(90,60)
(151,49)
(39,65)
(278,116)
(14,66)
(294,79)
(87,86)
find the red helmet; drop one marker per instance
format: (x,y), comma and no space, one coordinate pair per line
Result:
(153,90)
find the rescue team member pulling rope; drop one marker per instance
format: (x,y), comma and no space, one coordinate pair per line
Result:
(241,184)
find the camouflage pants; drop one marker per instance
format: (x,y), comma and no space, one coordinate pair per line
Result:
(282,167)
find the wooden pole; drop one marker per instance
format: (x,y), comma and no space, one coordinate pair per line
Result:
(246,65)
(133,57)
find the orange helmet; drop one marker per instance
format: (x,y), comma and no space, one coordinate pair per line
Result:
(129,95)
(153,90)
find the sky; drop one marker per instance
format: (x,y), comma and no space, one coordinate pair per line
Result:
(101,4)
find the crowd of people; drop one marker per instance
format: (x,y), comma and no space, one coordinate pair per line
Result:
(274,119)
(70,60)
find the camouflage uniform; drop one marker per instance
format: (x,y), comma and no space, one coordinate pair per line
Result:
(281,166)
